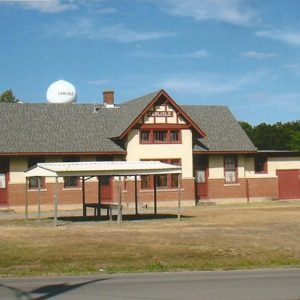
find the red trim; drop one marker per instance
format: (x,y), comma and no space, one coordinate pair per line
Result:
(61,153)
(173,103)
(224,152)
(168,136)
(164,126)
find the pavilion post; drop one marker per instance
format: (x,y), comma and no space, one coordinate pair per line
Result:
(120,201)
(179,198)
(39,198)
(99,198)
(135,195)
(26,198)
(83,197)
(55,201)
(155,195)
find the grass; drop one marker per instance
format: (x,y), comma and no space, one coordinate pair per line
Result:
(209,237)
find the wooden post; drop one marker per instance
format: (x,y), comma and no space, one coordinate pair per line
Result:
(99,198)
(155,195)
(26,198)
(179,198)
(120,201)
(55,201)
(247,191)
(39,198)
(135,195)
(83,197)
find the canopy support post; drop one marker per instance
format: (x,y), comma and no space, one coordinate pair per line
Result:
(55,201)
(39,199)
(135,195)
(120,201)
(179,198)
(83,197)
(26,198)
(99,198)
(155,195)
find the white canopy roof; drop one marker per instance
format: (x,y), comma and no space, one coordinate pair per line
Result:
(98,168)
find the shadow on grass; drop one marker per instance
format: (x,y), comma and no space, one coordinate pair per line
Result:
(129,217)
(47,291)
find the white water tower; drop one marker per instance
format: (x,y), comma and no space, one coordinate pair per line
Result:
(61,91)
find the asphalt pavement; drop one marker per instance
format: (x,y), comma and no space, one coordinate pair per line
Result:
(267,284)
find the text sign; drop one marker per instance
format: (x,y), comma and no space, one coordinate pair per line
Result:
(167,114)
(2,181)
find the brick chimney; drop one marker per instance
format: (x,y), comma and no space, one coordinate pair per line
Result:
(108,98)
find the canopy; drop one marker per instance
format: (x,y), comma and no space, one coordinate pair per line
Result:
(99,168)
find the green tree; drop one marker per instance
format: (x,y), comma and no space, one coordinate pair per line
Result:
(8,96)
(295,141)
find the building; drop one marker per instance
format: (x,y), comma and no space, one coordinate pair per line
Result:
(218,160)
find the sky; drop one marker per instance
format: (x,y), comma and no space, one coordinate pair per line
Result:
(238,53)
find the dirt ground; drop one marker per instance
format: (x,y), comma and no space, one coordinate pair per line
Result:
(208,237)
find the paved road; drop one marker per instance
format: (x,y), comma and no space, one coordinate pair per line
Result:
(283,284)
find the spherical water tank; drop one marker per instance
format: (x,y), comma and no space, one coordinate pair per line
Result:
(61,91)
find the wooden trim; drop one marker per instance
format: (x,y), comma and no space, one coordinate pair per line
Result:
(61,153)
(151,140)
(173,103)
(164,126)
(224,152)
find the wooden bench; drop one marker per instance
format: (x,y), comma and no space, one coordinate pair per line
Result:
(97,208)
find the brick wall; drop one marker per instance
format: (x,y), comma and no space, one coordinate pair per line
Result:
(258,187)
(16,193)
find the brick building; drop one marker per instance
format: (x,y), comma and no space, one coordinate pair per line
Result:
(218,160)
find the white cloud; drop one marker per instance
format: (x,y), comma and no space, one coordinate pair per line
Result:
(106,10)
(229,11)
(210,84)
(286,101)
(86,28)
(288,37)
(259,55)
(45,6)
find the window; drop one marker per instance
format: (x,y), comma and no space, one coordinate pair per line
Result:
(155,136)
(33,182)
(145,136)
(71,181)
(160,136)
(174,136)
(261,164)
(230,169)
(164,181)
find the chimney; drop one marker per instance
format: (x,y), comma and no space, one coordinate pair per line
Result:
(108,98)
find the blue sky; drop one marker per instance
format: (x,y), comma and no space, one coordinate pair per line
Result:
(239,53)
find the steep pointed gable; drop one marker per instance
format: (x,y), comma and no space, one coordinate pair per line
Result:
(140,107)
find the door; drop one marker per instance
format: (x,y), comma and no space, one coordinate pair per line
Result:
(201,177)
(289,184)
(106,189)
(3,182)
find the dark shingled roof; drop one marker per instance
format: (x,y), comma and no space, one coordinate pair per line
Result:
(223,132)
(56,128)
(76,128)
(129,111)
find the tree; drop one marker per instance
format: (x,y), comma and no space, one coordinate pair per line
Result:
(8,96)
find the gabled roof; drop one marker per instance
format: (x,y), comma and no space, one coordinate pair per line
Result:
(77,128)
(223,132)
(133,110)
